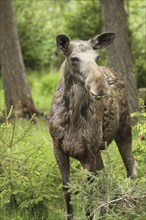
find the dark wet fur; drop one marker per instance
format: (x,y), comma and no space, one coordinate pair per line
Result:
(81,125)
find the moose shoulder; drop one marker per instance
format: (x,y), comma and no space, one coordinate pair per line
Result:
(89,110)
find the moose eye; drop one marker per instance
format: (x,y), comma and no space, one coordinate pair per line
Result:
(74,60)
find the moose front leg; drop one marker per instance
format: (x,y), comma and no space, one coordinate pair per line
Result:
(92,161)
(63,163)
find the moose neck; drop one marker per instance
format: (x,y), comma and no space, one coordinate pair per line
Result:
(76,96)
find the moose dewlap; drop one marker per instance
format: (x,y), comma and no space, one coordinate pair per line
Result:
(88,111)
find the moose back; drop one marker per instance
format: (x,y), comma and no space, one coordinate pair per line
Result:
(88,111)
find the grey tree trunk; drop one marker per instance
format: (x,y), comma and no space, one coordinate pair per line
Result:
(119,53)
(16,88)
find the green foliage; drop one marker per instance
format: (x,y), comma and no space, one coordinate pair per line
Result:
(137,26)
(30,180)
(140,128)
(29,176)
(108,192)
(43,85)
(49,83)
(40,21)
(37,30)
(83,19)
(33,32)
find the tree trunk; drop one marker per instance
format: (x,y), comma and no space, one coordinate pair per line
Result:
(16,88)
(119,53)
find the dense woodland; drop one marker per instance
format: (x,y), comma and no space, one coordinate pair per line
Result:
(40,21)
(30,182)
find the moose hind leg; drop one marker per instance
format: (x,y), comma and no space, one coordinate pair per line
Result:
(63,163)
(124,142)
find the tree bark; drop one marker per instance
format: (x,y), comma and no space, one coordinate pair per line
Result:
(119,53)
(16,88)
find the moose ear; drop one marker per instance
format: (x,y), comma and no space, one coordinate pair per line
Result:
(103,40)
(62,42)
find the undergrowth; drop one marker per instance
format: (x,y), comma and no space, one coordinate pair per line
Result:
(119,197)
(140,128)
(31,184)
(29,176)
(109,191)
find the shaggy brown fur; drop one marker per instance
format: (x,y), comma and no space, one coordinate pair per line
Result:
(89,110)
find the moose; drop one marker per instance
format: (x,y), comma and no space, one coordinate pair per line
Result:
(89,110)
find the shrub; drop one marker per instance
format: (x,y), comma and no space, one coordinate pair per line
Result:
(31,185)
(29,177)
(109,192)
(140,128)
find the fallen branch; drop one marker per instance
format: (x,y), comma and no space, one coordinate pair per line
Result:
(126,199)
